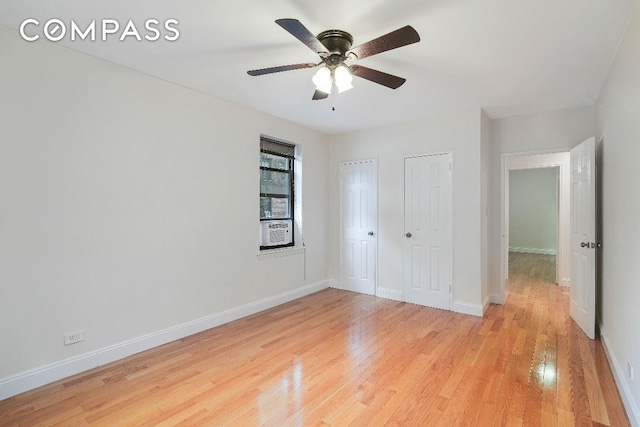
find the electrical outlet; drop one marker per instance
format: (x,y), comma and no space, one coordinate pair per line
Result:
(630,370)
(73,338)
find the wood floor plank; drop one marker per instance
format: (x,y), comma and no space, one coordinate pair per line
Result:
(337,358)
(597,405)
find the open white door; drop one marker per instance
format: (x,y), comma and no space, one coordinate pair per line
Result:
(428,235)
(583,236)
(359,226)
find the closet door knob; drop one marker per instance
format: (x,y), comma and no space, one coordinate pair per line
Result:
(408,235)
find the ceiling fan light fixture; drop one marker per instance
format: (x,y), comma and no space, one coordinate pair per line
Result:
(323,80)
(343,78)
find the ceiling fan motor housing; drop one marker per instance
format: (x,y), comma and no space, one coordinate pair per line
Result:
(338,43)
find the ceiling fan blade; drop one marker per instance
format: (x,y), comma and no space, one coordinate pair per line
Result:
(272,70)
(318,94)
(300,32)
(393,40)
(384,79)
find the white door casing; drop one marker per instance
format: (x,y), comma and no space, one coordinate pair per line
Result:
(428,234)
(518,161)
(358,184)
(583,236)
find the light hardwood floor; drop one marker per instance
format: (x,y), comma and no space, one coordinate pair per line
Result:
(339,358)
(530,266)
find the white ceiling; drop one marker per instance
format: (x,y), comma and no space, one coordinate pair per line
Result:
(508,57)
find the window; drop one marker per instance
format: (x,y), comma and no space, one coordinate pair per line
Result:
(276,193)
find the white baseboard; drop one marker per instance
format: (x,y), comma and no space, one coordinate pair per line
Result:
(19,383)
(333,283)
(621,380)
(496,299)
(485,305)
(532,251)
(467,308)
(393,294)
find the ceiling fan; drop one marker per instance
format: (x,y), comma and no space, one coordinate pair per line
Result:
(334,48)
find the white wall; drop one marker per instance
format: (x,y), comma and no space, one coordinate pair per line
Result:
(552,131)
(458,133)
(130,205)
(533,210)
(618,127)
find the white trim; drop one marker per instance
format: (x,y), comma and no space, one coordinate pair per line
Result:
(535,160)
(532,250)
(496,299)
(393,294)
(277,253)
(485,305)
(335,284)
(468,308)
(621,380)
(19,383)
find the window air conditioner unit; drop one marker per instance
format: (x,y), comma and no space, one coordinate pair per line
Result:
(276,233)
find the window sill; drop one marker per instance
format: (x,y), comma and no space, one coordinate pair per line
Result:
(277,253)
